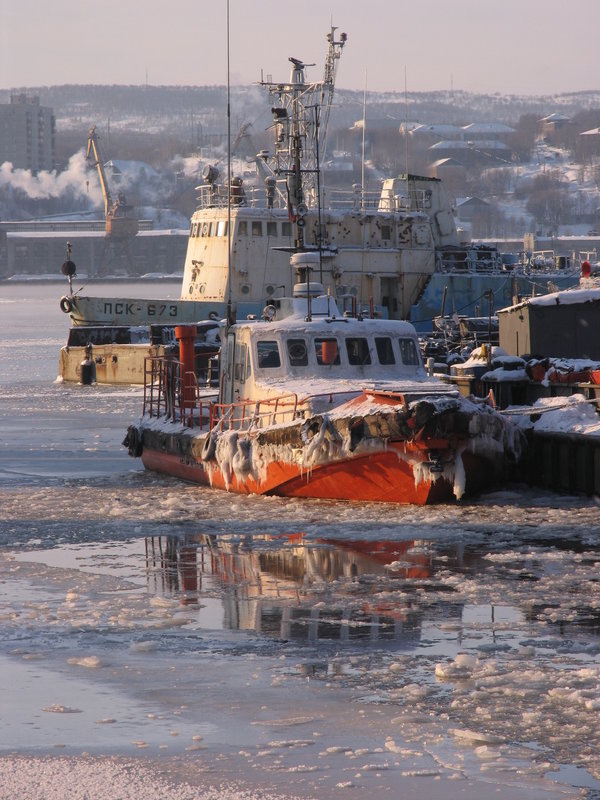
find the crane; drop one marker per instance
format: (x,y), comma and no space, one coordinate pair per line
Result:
(120,222)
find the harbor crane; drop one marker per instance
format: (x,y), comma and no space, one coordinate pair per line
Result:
(121,223)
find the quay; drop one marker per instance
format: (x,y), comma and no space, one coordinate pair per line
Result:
(562,462)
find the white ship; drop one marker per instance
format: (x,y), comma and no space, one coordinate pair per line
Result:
(374,249)
(378,253)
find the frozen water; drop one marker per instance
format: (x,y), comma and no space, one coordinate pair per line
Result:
(159,639)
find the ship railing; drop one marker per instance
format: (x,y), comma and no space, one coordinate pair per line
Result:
(245,415)
(465,262)
(174,395)
(249,196)
(468,261)
(352,199)
(338,199)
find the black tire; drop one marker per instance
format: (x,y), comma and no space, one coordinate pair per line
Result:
(133,442)
(208,448)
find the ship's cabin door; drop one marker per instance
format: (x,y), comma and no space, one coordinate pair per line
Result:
(237,370)
(389,296)
(227,379)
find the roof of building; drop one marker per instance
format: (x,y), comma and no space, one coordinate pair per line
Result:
(555,117)
(447,162)
(473,201)
(487,128)
(437,130)
(484,144)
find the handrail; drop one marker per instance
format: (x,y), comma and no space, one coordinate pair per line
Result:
(167,393)
(249,414)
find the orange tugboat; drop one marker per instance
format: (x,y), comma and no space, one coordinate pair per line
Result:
(316,403)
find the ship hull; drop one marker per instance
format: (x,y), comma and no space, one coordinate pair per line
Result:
(134,311)
(382,477)
(467,294)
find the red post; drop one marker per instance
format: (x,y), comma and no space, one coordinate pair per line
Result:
(185,335)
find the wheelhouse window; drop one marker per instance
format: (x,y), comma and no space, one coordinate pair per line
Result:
(271,229)
(268,354)
(222,228)
(286,228)
(358,351)
(327,351)
(297,352)
(385,351)
(240,362)
(242,228)
(408,352)
(257,228)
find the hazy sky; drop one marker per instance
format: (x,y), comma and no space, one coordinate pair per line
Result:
(506,46)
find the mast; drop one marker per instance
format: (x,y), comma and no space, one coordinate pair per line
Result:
(301,113)
(229,308)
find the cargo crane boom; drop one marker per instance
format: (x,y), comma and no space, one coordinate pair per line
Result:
(120,222)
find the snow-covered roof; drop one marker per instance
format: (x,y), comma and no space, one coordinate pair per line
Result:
(567,297)
(591,132)
(487,144)
(122,167)
(446,162)
(555,117)
(589,294)
(437,130)
(487,127)
(471,200)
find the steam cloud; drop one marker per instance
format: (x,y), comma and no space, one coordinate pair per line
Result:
(75,181)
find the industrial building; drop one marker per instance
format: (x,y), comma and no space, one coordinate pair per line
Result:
(35,249)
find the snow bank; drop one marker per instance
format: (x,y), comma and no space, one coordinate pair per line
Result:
(90,778)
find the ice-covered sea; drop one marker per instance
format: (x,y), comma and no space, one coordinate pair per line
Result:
(160,640)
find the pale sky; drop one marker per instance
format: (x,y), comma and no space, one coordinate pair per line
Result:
(505,46)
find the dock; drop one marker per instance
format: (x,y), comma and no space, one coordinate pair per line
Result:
(562,462)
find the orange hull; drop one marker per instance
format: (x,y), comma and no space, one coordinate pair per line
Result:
(373,477)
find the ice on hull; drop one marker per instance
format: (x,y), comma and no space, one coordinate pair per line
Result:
(435,450)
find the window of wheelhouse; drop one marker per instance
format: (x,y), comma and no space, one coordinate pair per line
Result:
(408,351)
(240,361)
(358,350)
(242,228)
(286,228)
(267,352)
(257,228)
(297,352)
(221,228)
(272,229)
(327,351)
(385,351)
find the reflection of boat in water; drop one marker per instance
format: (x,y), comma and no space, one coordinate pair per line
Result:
(280,586)
(315,403)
